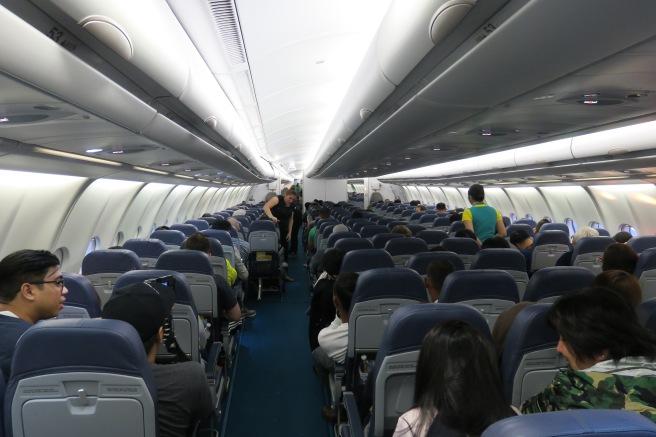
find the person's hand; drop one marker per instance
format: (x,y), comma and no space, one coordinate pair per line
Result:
(289,236)
(274,219)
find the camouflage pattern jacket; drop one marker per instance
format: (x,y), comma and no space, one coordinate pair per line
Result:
(629,385)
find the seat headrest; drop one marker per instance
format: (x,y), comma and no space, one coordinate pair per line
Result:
(182,290)
(461,245)
(389,282)
(185,261)
(463,285)
(502,259)
(169,236)
(110,261)
(557,280)
(405,246)
(82,293)
(223,236)
(146,247)
(419,261)
(359,260)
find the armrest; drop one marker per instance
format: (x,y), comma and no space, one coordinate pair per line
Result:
(212,361)
(353,415)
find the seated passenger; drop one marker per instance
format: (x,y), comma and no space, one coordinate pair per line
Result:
(421,208)
(466,233)
(333,340)
(622,237)
(496,242)
(524,243)
(539,224)
(403,230)
(183,392)
(31,289)
(456,366)
(322,309)
(503,324)
(619,256)
(244,246)
(436,273)
(239,269)
(227,298)
(440,207)
(622,282)
(611,356)
(586,231)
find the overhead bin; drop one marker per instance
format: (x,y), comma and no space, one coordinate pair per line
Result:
(616,141)
(539,154)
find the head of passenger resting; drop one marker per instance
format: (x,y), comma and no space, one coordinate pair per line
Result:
(234,223)
(465,233)
(622,237)
(403,230)
(343,293)
(222,225)
(539,224)
(145,308)
(199,242)
(31,285)
(436,273)
(622,282)
(619,256)
(496,242)
(521,239)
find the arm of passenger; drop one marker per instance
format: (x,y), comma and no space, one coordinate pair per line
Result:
(234,313)
(501,228)
(554,397)
(291,223)
(403,425)
(267,208)
(204,405)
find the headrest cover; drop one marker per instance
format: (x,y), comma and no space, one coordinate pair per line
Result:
(143,306)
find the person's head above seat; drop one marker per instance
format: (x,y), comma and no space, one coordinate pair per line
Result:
(584,232)
(440,207)
(521,239)
(145,307)
(619,256)
(436,273)
(421,208)
(31,285)
(476,193)
(403,230)
(465,233)
(599,324)
(331,263)
(222,225)
(496,242)
(199,242)
(622,237)
(622,282)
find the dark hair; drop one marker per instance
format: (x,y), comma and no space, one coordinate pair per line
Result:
(437,271)
(162,228)
(403,230)
(440,205)
(465,233)
(619,256)
(197,241)
(222,225)
(23,266)
(597,319)
(622,282)
(539,224)
(331,262)
(207,214)
(456,364)
(324,213)
(519,236)
(476,192)
(344,288)
(456,216)
(357,214)
(622,237)
(496,242)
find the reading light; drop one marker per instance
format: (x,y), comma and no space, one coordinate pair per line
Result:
(94,150)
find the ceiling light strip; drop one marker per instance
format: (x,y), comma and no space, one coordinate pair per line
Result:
(76,157)
(150,170)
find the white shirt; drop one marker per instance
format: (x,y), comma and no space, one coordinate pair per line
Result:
(333,339)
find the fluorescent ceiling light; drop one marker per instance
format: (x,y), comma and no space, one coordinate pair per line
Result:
(182,176)
(150,170)
(74,156)
(601,178)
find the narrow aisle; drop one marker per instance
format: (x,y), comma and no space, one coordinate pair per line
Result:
(274,390)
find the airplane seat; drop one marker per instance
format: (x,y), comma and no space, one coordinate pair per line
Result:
(506,221)
(393,373)
(380,240)
(385,220)
(415,217)
(642,243)
(426,220)
(104,266)
(245,223)
(209,220)
(368,231)
(489,291)
(419,261)
(548,246)
(466,248)
(389,212)
(336,236)
(588,252)
(455,227)
(108,390)
(349,244)
(547,284)
(201,225)
(529,360)
(393,223)
(147,249)
(603,232)
(555,227)
(529,222)
(415,229)
(405,215)
(517,226)
(170,237)
(442,224)
(360,260)
(82,300)
(358,224)
(3,389)
(509,260)
(432,237)
(225,240)
(402,249)
(322,235)
(186,229)
(579,423)
(266,255)
(378,293)
(646,312)
(397,213)
(217,257)
(233,232)
(646,273)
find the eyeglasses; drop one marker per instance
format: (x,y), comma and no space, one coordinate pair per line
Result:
(59,282)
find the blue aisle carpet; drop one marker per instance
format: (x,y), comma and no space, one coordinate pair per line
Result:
(274,391)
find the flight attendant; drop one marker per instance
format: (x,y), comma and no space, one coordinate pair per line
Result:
(280,210)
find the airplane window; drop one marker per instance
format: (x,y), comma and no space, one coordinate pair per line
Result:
(630,229)
(152,229)
(529,216)
(513,217)
(119,239)
(59,253)
(571,225)
(595,225)
(93,245)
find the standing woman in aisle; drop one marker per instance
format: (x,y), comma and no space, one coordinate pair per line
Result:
(280,210)
(484,220)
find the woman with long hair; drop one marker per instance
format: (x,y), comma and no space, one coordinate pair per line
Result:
(457,387)
(611,356)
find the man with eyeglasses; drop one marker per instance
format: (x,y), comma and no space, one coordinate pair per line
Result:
(31,289)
